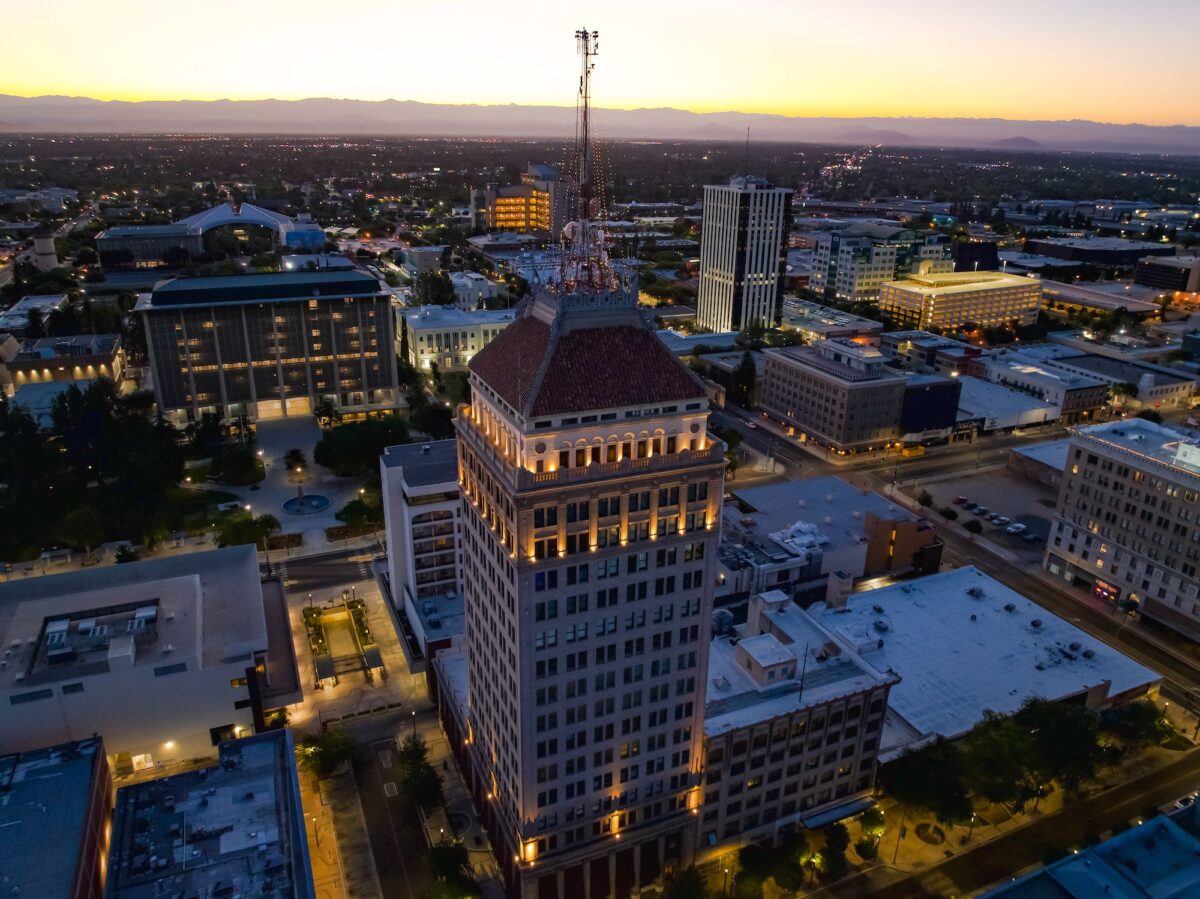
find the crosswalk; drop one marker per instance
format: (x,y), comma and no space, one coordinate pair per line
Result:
(364,570)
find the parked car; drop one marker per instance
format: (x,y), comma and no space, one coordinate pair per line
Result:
(980,510)
(1014,528)
(1032,538)
(991,516)
(1001,519)
(1185,801)
(961,501)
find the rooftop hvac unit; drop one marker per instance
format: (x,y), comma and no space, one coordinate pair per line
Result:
(168,648)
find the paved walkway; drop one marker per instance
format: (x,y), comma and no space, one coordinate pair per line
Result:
(322,841)
(339,794)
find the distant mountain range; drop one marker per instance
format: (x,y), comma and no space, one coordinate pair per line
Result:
(79,115)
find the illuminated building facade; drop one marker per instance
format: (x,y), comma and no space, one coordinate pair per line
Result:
(743,253)
(533,206)
(852,264)
(951,300)
(270,345)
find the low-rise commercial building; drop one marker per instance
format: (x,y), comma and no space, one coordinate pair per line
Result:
(951,300)
(809,536)
(419,260)
(112,649)
(816,322)
(57,805)
(1125,527)
(1172,274)
(421,508)
(1040,462)
(721,368)
(962,644)
(15,319)
(926,353)
(83,357)
(837,394)
(1078,397)
(1112,252)
(791,730)
(236,828)
(449,337)
(993,407)
(1142,385)
(472,290)
(271,345)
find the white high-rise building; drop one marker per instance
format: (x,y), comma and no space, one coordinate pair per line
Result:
(743,253)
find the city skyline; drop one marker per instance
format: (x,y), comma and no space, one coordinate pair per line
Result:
(792,61)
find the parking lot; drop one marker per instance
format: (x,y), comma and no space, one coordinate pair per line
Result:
(1023,501)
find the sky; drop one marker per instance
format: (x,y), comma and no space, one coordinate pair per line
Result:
(1105,60)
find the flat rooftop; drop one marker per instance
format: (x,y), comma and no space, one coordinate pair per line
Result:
(451,316)
(735,700)
(950,283)
(962,643)
(204,606)
(1052,453)
(218,289)
(425,464)
(835,508)
(233,829)
(44,816)
(1125,370)
(1174,448)
(983,399)
(810,316)
(1156,860)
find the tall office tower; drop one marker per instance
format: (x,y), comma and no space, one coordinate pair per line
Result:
(533,206)
(743,251)
(590,499)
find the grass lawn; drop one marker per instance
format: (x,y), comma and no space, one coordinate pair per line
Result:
(194,511)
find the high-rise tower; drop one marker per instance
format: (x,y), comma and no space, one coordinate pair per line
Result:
(743,254)
(590,491)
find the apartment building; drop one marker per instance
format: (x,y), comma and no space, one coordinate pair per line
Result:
(791,730)
(1125,526)
(743,254)
(449,337)
(270,345)
(853,263)
(591,490)
(836,393)
(951,300)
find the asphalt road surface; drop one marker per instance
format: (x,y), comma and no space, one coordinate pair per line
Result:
(328,572)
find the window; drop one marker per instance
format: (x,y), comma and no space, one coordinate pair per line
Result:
(33,696)
(164,670)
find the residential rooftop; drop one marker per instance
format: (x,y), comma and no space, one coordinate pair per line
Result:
(963,643)
(44,816)
(430,464)
(233,829)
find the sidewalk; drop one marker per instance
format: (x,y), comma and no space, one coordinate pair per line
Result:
(322,841)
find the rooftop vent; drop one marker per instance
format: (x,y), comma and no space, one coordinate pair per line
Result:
(1036,623)
(1010,607)
(1089,653)
(882,626)
(975,592)
(878,609)
(974,616)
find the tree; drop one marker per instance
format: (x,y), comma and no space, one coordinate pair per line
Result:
(353,449)
(837,837)
(434,289)
(949,513)
(125,553)
(996,758)
(294,458)
(972,526)
(324,752)
(686,884)
(866,848)
(925,498)
(1152,415)
(741,387)
(240,529)
(1066,741)
(421,781)
(236,464)
(931,778)
(327,413)
(1143,723)
(450,862)
(359,514)
(82,527)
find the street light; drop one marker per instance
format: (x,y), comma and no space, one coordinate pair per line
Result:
(414,723)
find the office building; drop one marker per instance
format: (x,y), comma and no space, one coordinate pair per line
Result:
(449,337)
(421,512)
(270,345)
(929,410)
(1150,386)
(792,731)
(536,205)
(1173,274)
(853,263)
(743,253)
(952,300)
(235,828)
(836,394)
(472,290)
(808,536)
(963,644)
(83,357)
(1124,527)
(54,815)
(926,353)
(112,649)
(418,260)
(1078,396)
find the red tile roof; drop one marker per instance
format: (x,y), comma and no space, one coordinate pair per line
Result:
(539,372)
